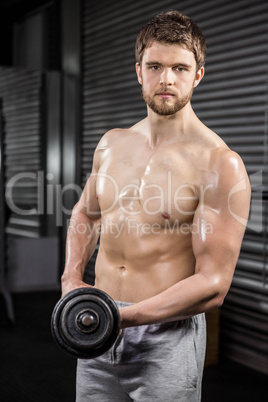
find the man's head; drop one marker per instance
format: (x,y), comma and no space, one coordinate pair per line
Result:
(172,27)
(170,52)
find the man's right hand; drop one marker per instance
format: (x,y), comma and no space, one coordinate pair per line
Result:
(70,284)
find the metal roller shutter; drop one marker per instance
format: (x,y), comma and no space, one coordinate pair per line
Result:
(231,100)
(20,91)
(4,290)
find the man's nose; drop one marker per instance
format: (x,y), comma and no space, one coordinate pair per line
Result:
(167,77)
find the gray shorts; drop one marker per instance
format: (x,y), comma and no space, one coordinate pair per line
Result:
(159,362)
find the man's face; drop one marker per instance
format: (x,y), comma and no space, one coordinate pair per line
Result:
(168,76)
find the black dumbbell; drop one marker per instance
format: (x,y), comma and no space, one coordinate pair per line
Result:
(85,322)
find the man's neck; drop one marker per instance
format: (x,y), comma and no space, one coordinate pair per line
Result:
(168,129)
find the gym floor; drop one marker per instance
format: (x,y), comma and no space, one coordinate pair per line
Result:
(34,369)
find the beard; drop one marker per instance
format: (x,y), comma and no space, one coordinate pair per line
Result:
(166,107)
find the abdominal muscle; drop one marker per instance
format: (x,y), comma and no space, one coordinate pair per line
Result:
(132,267)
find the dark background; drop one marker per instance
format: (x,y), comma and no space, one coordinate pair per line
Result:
(66,77)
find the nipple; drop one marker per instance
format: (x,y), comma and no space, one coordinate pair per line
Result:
(165,215)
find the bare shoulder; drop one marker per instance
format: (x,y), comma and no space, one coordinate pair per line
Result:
(232,188)
(120,138)
(110,137)
(216,161)
(108,141)
(228,163)
(220,157)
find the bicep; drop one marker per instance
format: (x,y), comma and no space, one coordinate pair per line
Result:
(221,220)
(88,203)
(216,245)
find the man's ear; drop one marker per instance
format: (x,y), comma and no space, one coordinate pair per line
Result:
(138,71)
(199,75)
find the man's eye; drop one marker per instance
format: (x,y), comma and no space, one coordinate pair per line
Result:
(154,68)
(180,69)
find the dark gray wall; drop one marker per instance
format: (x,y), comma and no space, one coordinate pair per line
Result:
(41,100)
(97,39)
(231,100)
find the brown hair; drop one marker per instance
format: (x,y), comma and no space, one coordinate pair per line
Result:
(172,27)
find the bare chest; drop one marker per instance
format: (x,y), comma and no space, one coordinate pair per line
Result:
(151,188)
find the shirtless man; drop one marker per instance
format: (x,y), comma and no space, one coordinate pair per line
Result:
(170,201)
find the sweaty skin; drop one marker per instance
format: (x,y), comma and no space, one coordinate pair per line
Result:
(169,200)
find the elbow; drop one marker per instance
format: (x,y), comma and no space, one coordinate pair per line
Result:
(215,301)
(220,291)
(218,301)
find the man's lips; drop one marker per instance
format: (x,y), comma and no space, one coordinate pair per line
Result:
(165,95)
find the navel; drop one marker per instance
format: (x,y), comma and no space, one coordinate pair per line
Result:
(122,269)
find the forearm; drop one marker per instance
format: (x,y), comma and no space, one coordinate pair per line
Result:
(81,241)
(189,297)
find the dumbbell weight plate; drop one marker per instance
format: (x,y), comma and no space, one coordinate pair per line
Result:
(85,323)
